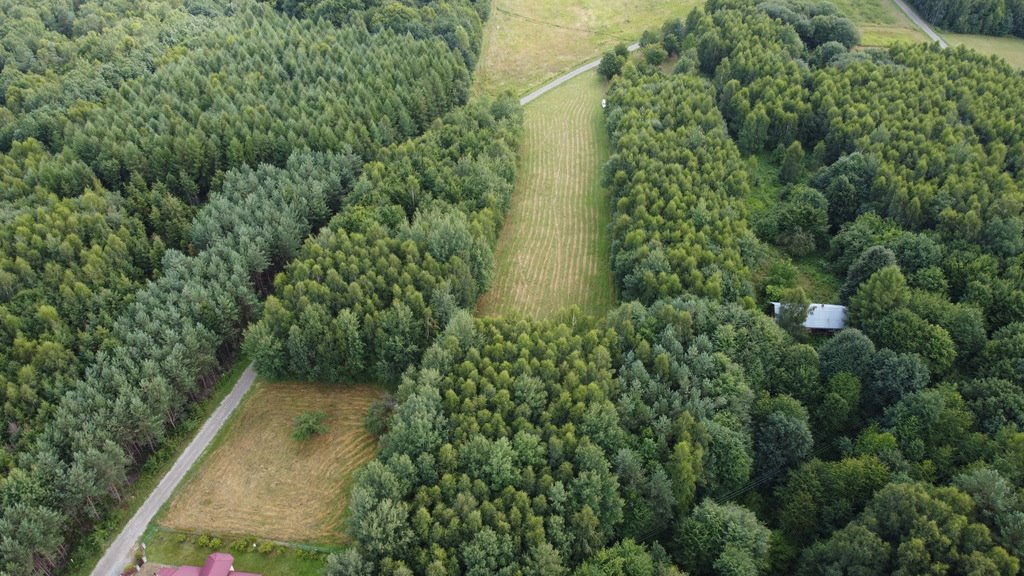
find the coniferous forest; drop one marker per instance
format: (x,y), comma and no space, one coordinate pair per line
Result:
(309,182)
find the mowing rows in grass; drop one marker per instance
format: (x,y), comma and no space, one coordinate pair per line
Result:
(259,481)
(553,251)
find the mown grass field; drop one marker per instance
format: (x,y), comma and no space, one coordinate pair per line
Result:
(881,22)
(553,252)
(527,42)
(258,481)
(1009,48)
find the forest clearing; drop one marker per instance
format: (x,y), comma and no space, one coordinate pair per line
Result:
(553,250)
(259,481)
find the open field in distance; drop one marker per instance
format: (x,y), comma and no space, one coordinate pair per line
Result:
(1009,48)
(529,41)
(881,22)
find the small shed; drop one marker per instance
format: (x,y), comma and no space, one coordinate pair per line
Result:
(820,317)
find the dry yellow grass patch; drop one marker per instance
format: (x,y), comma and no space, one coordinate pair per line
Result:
(258,481)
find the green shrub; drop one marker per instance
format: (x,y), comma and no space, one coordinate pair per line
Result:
(266,547)
(309,424)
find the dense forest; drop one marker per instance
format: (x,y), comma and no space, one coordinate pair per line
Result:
(305,181)
(992,17)
(686,431)
(411,245)
(161,161)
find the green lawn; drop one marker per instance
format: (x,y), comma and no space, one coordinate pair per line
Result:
(527,42)
(176,549)
(765,189)
(85,556)
(817,280)
(553,252)
(1009,48)
(881,23)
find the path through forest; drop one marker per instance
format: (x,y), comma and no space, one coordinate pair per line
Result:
(553,252)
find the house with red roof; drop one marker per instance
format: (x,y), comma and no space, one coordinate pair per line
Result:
(217,564)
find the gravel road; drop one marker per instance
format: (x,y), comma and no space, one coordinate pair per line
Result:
(563,79)
(120,552)
(921,23)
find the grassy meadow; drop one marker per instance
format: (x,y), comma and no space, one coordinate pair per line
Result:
(528,42)
(881,22)
(1009,48)
(553,252)
(256,480)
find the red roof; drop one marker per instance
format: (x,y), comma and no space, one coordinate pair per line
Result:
(217,564)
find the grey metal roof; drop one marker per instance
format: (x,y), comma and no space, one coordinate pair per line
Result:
(822,316)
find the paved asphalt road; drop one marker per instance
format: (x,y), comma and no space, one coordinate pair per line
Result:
(921,23)
(120,552)
(563,79)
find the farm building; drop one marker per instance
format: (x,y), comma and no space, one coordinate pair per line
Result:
(820,317)
(217,564)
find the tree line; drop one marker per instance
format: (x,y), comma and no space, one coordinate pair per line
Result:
(991,17)
(522,446)
(909,184)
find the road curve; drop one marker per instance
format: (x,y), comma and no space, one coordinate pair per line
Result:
(912,14)
(564,78)
(119,554)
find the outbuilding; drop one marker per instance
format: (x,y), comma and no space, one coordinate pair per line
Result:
(820,317)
